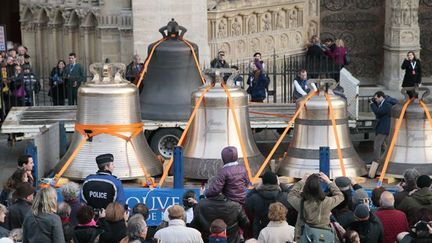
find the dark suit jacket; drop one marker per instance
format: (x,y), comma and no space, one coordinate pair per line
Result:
(383,117)
(74,74)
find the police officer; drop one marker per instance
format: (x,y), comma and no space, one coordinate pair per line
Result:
(102,188)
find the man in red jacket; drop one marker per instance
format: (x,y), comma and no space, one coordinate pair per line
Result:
(394,221)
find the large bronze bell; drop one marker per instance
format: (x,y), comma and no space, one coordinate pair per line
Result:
(413,147)
(213,129)
(313,129)
(171,77)
(108,100)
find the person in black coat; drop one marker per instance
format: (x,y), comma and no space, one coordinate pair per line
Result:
(413,71)
(21,207)
(219,207)
(381,107)
(368,226)
(113,222)
(57,84)
(86,230)
(260,198)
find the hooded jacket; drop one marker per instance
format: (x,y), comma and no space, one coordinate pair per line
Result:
(411,204)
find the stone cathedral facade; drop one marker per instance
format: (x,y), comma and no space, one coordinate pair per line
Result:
(378,33)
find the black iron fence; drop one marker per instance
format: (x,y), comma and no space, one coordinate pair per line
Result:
(281,70)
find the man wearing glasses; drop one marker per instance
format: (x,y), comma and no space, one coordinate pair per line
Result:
(219,61)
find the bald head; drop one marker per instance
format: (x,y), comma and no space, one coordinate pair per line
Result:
(387,199)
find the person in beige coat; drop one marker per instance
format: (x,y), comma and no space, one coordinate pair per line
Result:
(317,206)
(277,230)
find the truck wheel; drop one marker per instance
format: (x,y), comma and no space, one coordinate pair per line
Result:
(163,141)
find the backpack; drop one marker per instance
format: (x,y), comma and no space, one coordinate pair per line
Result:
(314,235)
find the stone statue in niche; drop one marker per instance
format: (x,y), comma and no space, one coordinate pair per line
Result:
(293,18)
(226,48)
(406,15)
(312,29)
(397,17)
(255,44)
(252,25)
(222,28)
(266,22)
(313,8)
(280,24)
(298,39)
(269,43)
(236,27)
(241,47)
(284,41)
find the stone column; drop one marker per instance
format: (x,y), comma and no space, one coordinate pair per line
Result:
(39,52)
(402,34)
(149,16)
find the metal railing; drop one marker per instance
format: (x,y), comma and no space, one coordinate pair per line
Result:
(281,70)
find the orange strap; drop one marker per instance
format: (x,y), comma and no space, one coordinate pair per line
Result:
(242,145)
(146,63)
(183,136)
(339,151)
(428,115)
(269,114)
(393,141)
(110,129)
(279,141)
(195,59)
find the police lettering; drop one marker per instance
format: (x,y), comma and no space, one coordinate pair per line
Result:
(102,195)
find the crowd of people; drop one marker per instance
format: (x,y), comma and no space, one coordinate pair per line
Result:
(314,209)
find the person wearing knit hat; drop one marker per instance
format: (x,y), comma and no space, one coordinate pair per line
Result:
(420,198)
(18,210)
(103,188)
(360,196)
(407,184)
(367,225)
(361,212)
(232,179)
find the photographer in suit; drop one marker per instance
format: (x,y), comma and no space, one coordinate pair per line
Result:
(381,106)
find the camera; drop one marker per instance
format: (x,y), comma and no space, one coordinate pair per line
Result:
(372,100)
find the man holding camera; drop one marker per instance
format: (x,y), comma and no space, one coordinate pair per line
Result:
(103,188)
(381,106)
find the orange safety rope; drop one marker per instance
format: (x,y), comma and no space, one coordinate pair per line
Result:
(290,123)
(195,59)
(147,61)
(339,151)
(183,136)
(242,145)
(393,141)
(110,129)
(269,114)
(428,115)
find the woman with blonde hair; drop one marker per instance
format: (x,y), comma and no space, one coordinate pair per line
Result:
(113,221)
(43,224)
(277,230)
(3,211)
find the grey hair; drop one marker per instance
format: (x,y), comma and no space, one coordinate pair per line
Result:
(16,235)
(3,209)
(64,209)
(70,191)
(135,226)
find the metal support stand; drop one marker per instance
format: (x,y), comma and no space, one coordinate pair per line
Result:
(324,160)
(178,167)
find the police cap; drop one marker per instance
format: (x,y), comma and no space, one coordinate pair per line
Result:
(104,158)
